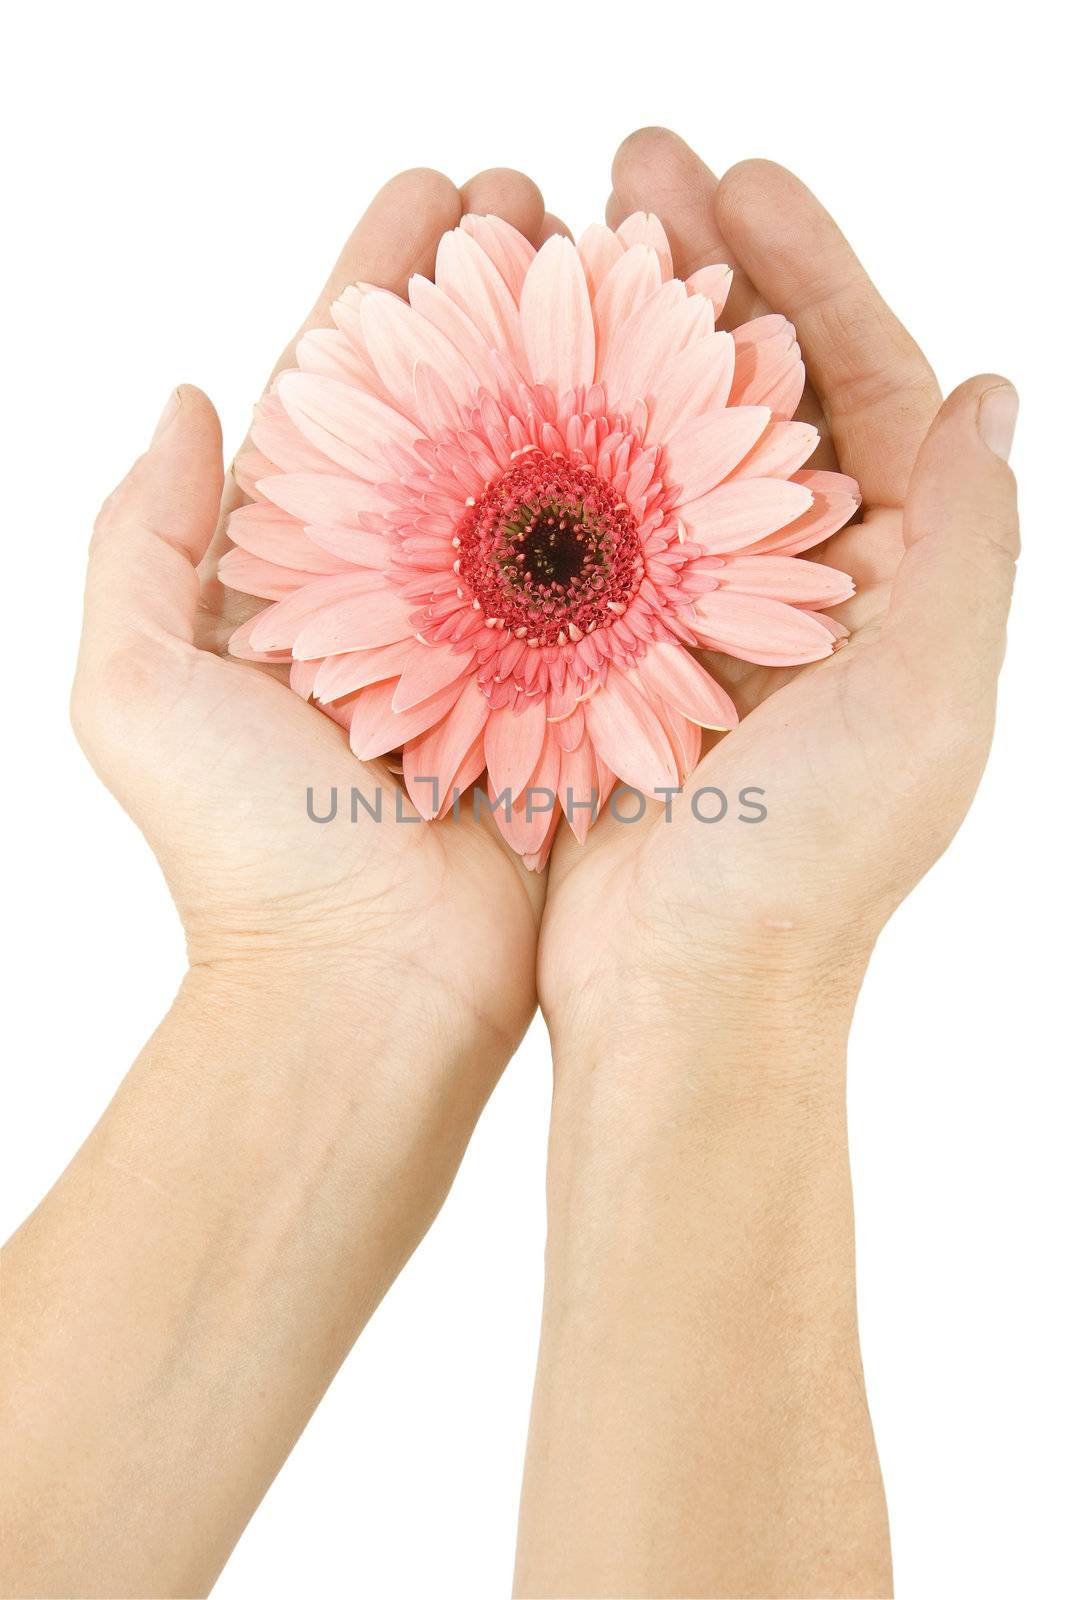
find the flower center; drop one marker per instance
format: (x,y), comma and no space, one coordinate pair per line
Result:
(549,551)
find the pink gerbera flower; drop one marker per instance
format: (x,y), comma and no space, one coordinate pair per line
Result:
(493,519)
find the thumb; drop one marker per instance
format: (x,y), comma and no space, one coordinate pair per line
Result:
(141,585)
(951,596)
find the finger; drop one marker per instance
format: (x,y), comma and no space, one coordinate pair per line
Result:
(878,391)
(654,170)
(551,226)
(502,192)
(952,593)
(141,587)
(396,238)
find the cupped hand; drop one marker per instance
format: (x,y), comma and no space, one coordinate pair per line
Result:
(866,762)
(213,758)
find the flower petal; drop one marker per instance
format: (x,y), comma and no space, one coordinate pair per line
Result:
(239,569)
(377,615)
(512,745)
(469,277)
(276,627)
(800,583)
(626,733)
(713,282)
(556,318)
(376,728)
(322,497)
(764,631)
(509,251)
(769,367)
(398,338)
(345,424)
(343,674)
(643,227)
(438,753)
(429,668)
(274,536)
(703,453)
(669,671)
(743,511)
(698,379)
(780,452)
(599,248)
(835,500)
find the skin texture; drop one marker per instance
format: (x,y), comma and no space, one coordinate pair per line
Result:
(178,1303)
(699,1424)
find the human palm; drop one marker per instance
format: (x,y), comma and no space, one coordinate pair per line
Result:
(867,761)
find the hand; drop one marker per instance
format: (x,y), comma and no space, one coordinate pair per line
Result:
(868,761)
(213,758)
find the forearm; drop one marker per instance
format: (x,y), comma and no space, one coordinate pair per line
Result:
(699,1424)
(178,1303)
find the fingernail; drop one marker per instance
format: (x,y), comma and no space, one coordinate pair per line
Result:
(169,412)
(997,418)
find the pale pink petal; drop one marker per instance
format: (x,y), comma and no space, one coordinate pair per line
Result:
(513,744)
(780,451)
(714,282)
(374,616)
(628,736)
(643,228)
(345,424)
(644,349)
(577,787)
(509,251)
(800,583)
(629,283)
(276,627)
(769,368)
(376,728)
(570,730)
(764,631)
(352,546)
(835,500)
(439,753)
(301,678)
(556,318)
(329,353)
(599,248)
(531,816)
(398,338)
(470,767)
(322,497)
(275,434)
(467,274)
(248,468)
(696,380)
(430,301)
(240,645)
(341,675)
(703,453)
(273,535)
(434,402)
(429,668)
(670,672)
(347,314)
(743,511)
(239,569)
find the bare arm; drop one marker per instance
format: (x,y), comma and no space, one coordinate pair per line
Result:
(177,1305)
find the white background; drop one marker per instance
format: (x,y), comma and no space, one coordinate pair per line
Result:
(181,179)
